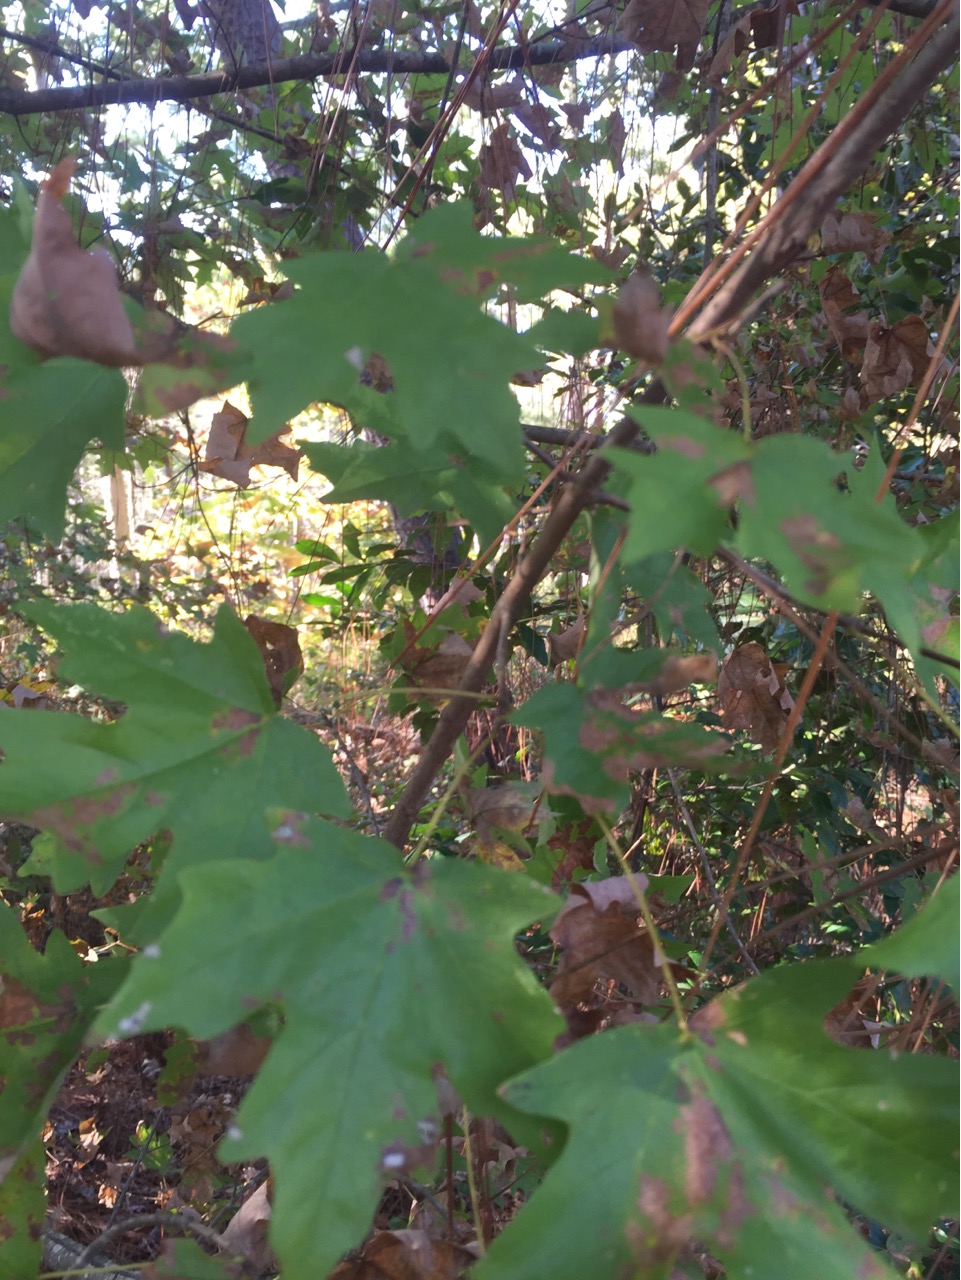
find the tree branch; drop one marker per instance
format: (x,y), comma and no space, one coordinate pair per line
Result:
(149,92)
(783,234)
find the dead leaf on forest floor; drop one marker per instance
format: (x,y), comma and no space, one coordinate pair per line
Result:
(246,1233)
(406,1255)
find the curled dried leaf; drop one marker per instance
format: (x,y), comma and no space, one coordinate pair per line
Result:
(66,301)
(640,322)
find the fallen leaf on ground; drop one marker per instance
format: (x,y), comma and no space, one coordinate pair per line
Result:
(246,1232)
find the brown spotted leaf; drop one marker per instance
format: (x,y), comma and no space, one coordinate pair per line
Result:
(740,1142)
(199,752)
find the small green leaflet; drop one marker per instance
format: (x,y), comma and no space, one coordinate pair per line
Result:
(384,975)
(927,946)
(199,752)
(731,1138)
(23,1213)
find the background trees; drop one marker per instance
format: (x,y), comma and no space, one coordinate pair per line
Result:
(632,332)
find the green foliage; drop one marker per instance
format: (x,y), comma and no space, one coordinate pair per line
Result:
(385,977)
(676,1119)
(729,1134)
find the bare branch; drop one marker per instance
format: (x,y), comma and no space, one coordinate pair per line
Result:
(306,67)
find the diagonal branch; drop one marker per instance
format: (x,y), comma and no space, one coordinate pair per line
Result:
(783,234)
(149,92)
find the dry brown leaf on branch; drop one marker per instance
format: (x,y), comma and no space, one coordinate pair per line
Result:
(229,456)
(850,332)
(599,931)
(280,649)
(640,322)
(852,232)
(666,25)
(895,358)
(679,671)
(751,695)
(66,301)
(502,162)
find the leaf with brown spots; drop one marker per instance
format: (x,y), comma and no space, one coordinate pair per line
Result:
(737,1142)
(348,1095)
(199,752)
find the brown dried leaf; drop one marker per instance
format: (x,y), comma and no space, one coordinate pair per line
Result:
(599,931)
(502,162)
(443,667)
(731,47)
(895,358)
(850,332)
(640,322)
(488,99)
(566,644)
(665,25)
(751,695)
(66,301)
(680,670)
(246,1233)
(853,232)
(406,1255)
(229,456)
(280,649)
(536,117)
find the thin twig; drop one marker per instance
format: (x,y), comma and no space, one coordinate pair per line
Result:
(709,874)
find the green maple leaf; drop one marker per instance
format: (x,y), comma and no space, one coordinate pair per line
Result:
(384,976)
(422,310)
(733,1138)
(199,752)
